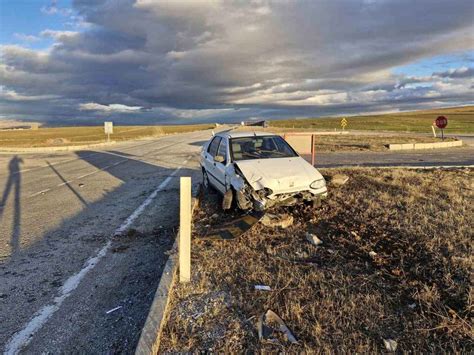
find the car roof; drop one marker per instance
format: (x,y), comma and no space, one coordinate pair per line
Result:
(232,134)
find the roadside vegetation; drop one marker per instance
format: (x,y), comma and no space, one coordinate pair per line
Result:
(460,120)
(354,142)
(45,137)
(394,267)
(365,143)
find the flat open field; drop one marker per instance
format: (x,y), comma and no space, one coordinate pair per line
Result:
(366,143)
(394,264)
(45,137)
(460,120)
(353,142)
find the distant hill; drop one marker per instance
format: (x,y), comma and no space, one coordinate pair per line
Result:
(460,120)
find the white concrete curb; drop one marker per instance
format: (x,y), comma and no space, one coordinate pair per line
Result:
(439,145)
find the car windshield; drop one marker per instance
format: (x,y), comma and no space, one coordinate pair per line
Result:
(260,147)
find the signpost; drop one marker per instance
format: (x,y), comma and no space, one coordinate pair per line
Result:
(108,129)
(441,122)
(343,124)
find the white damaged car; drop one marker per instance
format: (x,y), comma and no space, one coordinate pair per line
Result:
(258,170)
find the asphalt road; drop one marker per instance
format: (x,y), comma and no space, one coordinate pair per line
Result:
(61,268)
(82,233)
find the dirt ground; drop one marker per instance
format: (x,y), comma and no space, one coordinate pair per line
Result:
(395,264)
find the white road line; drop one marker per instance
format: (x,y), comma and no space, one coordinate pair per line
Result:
(85,175)
(63,183)
(82,176)
(89,155)
(101,169)
(40,192)
(53,164)
(24,336)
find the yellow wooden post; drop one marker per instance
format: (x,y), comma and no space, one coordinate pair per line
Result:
(185,230)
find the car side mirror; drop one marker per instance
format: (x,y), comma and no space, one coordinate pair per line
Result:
(219,159)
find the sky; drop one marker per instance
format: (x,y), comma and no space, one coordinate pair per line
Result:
(154,61)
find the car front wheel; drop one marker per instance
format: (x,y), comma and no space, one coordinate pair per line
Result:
(205,179)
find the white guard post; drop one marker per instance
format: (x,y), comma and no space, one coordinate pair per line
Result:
(185,230)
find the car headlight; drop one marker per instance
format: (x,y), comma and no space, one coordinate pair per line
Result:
(318,184)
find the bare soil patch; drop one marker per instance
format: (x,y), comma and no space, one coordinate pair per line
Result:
(394,266)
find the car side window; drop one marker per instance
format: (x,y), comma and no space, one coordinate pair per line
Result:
(212,150)
(222,151)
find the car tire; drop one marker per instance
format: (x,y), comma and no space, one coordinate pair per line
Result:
(205,180)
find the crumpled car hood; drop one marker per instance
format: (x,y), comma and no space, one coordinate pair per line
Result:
(279,174)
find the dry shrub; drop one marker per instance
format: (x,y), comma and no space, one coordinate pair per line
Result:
(395,263)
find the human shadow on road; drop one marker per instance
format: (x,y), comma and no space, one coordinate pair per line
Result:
(66,183)
(13,183)
(35,276)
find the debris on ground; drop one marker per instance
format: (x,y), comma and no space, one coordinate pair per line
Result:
(356,235)
(390,344)
(336,297)
(227,200)
(172,251)
(233,229)
(338,180)
(263,288)
(113,310)
(273,220)
(266,330)
(313,239)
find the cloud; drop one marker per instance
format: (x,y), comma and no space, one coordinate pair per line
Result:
(53,9)
(201,60)
(11,95)
(26,38)
(463,72)
(60,36)
(92,106)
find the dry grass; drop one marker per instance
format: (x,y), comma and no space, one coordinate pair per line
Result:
(44,137)
(340,297)
(353,142)
(366,143)
(460,120)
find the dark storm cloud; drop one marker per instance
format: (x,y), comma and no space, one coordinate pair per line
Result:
(456,73)
(201,59)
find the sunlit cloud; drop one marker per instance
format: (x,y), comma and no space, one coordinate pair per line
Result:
(201,60)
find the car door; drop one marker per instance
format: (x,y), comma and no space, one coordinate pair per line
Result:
(220,165)
(209,160)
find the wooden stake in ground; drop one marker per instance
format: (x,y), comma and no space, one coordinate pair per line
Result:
(185,230)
